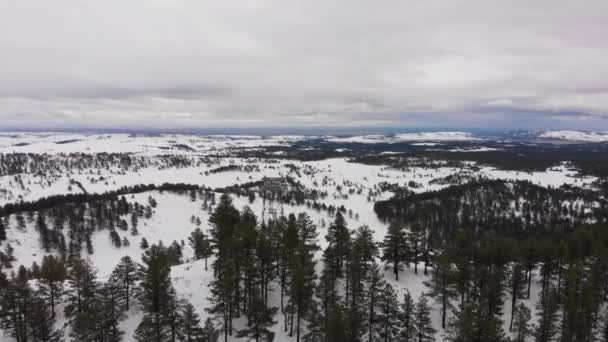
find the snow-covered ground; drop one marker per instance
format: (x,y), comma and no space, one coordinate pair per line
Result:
(419,136)
(55,143)
(345,183)
(138,144)
(575,136)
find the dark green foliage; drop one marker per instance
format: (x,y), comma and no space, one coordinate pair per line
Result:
(126,275)
(190,329)
(546,310)
(395,248)
(261,321)
(522,328)
(156,295)
(407,315)
(201,245)
(52,277)
(336,326)
(82,304)
(422,321)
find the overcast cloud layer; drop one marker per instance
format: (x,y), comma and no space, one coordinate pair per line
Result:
(195,63)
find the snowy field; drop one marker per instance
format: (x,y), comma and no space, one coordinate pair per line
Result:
(171,220)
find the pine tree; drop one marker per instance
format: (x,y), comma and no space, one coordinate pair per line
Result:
(126,275)
(210,334)
(145,330)
(110,310)
(261,321)
(42,322)
(416,244)
(190,324)
(52,277)
(156,291)
(375,285)
(302,284)
(81,299)
(315,329)
(388,314)
(517,286)
(201,245)
(422,321)
(546,310)
(395,248)
(364,246)
(462,325)
(521,324)
(15,301)
(441,285)
(43,230)
(336,327)
(225,286)
(338,237)
(407,319)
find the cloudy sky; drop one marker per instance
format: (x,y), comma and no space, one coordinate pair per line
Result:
(199,63)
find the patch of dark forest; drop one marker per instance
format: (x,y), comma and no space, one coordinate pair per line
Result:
(513,208)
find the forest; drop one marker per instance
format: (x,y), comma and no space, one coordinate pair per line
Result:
(478,280)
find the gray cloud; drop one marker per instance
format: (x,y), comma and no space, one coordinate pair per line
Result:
(243,63)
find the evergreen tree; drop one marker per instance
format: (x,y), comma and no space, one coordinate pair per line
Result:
(517,284)
(190,325)
(441,285)
(422,321)
(52,277)
(43,230)
(209,333)
(226,267)
(315,330)
(126,276)
(338,237)
(201,245)
(336,327)
(416,244)
(261,321)
(156,292)
(15,301)
(395,248)
(42,322)
(407,316)
(546,310)
(521,324)
(82,307)
(145,330)
(374,288)
(110,310)
(388,314)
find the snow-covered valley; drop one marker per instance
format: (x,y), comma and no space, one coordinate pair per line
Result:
(209,162)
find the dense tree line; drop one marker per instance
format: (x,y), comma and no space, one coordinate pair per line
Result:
(481,281)
(56,200)
(93,308)
(53,164)
(514,208)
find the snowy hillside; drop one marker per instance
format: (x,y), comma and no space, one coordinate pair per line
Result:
(575,136)
(325,188)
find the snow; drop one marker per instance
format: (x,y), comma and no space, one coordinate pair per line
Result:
(576,136)
(171,219)
(404,137)
(138,144)
(478,149)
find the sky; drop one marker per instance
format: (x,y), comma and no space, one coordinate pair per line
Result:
(196,63)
